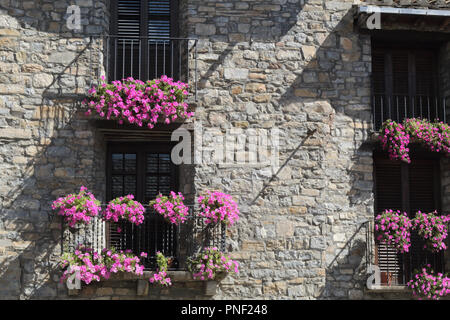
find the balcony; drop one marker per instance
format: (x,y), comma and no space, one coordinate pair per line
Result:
(399,107)
(396,269)
(155,234)
(146,58)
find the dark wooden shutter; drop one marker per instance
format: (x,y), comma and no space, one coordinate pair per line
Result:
(159,23)
(424,191)
(128,18)
(409,188)
(141,45)
(388,195)
(404,84)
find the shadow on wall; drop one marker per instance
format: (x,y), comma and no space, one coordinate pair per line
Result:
(327,92)
(48,150)
(346,273)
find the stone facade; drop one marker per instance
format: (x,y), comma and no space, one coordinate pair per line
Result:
(300,66)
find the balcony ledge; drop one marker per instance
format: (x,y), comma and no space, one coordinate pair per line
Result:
(389,289)
(143,284)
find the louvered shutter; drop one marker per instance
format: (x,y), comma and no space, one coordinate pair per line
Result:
(141,46)
(388,179)
(404,84)
(424,196)
(159,22)
(409,188)
(128,18)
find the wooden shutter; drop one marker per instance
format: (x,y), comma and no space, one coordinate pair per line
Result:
(159,23)
(388,195)
(128,18)
(410,188)
(424,191)
(404,84)
(141,47)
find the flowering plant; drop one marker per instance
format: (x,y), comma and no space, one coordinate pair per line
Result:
(210,262)
(171,208)
(85,263)
(77,208)
(393,228)
(432,228)
(161,276)
(139,102)
(395,137)
(124,261)
(395,140)
(88,265)
(125,208)
(427,284)
(218,207)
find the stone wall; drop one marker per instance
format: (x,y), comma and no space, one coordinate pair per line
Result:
(299,66)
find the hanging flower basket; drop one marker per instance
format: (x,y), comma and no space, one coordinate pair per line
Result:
(211,264)
(77,209)
(140,103)
(171,207)
(218,207)
(125,208)
(432,228)
(426,284)
(395,137)
(393,228)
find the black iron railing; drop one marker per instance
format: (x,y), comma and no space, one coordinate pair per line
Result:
(155,234)
(399,107)
(396,269)
(146,58)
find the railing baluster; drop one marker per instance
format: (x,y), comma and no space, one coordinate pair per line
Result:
(389,107)
(107,59)
(123,58)
(132,56)
(179,60)
(445,110)
(436,115)
(156,59)
(406,107)
(398,115)
(115,58)
(171,59)
(421,112)
(140,58)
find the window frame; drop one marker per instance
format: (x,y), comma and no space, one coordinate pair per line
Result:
(141,149)
(144,69)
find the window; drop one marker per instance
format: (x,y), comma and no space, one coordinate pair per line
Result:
(405,84)
(409,188)
(144,170)
(143,41)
